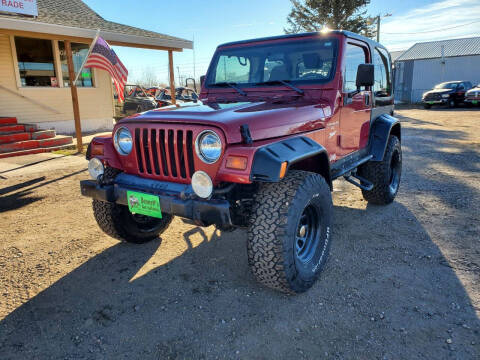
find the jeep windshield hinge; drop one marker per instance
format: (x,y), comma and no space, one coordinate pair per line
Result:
(245,132)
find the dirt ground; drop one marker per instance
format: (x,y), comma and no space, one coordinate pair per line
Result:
(402,281)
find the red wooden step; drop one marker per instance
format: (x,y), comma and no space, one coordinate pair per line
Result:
(19,145)
(8,120)
(33,151)
(43,134)
(6,129)
(56,141)
(13,137)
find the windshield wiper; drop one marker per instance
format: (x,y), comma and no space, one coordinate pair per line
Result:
(233,85)
(283,82)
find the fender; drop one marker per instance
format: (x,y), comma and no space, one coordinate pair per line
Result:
(268,159)
(381,129)
(102,148)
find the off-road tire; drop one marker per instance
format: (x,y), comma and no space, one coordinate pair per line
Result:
(427,106)
(380,174)
(272,234)
(117,221)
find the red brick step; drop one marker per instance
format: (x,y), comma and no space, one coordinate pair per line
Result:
(8,120)
(33,144)
(7,129)
(10,138)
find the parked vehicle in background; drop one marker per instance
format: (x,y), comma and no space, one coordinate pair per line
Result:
(279,119)
(154,91)
(449,93)
(472,97)
(182,95)
(137,100)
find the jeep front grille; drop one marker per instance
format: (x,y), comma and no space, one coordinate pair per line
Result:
(166,152)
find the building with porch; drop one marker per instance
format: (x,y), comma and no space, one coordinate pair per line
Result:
(34,77)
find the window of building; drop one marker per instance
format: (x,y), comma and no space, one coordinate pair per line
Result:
(35,62)
(79,52)
(383,82)
(355,55)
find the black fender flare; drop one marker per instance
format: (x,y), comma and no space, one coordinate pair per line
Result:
(267,160)
(380,131)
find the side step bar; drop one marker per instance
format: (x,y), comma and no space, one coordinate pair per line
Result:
(364,184)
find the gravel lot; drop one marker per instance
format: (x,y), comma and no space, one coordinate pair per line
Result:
(402,282)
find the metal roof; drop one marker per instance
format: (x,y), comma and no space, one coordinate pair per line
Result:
(433,49)
(76,14)
(396,54)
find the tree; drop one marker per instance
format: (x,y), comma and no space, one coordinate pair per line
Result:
(314,15)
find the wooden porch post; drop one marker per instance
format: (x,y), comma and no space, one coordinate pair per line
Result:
(172,76)
(73,89)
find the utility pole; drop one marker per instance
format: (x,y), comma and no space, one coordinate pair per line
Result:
(378,18)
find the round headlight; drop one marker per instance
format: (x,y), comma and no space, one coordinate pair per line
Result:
(208,146)
(123,141)
(95,168)
(202,184)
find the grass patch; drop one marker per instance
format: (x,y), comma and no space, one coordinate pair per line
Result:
(72,151)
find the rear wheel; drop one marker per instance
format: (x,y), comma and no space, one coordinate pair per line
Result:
(290,232)
(385,175)
(452,104)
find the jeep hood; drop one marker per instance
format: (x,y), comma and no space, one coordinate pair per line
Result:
(264,119)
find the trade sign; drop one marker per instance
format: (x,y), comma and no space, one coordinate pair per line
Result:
(26,7)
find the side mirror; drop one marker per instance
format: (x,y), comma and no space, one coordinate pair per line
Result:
(202,79)
(365,75)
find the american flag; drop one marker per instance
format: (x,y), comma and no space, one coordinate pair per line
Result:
(103,57)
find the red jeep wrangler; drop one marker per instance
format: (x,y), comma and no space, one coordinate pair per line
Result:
(280,118)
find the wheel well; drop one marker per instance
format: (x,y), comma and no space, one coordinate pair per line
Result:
(396,131)
(318,164)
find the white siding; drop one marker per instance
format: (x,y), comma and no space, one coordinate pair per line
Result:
(427,73)
(96,104)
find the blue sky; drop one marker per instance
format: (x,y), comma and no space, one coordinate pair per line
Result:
(214,22)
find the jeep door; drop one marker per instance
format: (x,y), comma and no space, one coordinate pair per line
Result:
(356,105)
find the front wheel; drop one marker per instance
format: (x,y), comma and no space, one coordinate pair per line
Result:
(385,175)
(289,234)
(118,222)
(452,104)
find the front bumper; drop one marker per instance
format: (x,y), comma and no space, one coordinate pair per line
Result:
(175,199)
(435,102)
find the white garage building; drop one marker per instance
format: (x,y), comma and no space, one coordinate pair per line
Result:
(426,64)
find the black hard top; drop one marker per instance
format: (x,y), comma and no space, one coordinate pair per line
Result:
(349,34)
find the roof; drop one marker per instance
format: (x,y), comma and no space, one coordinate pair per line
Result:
(433,49)
(396,54)
(306,34)
(76,14)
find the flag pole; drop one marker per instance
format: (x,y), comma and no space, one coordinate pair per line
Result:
(88,54)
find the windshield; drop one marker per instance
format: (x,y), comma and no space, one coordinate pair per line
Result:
(446,86)
(308,61)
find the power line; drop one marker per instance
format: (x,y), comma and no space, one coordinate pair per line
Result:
(430,31)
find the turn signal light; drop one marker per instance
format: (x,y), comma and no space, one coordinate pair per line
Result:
(236,162)
(283,169)
(97,149)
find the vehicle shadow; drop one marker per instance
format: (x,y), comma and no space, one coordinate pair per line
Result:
(24,197)
(384,293)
